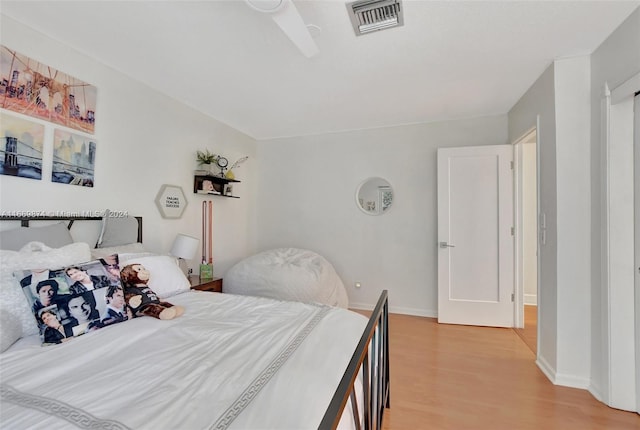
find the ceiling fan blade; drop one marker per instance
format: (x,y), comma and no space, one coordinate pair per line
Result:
(291,23)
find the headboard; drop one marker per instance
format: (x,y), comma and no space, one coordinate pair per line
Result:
(26,220)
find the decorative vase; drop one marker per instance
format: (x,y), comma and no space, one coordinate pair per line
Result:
(229,175)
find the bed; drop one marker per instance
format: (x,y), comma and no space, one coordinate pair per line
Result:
(303,365)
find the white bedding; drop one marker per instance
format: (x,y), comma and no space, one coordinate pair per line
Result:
(277,363)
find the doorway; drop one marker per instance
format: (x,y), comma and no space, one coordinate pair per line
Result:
(527,234)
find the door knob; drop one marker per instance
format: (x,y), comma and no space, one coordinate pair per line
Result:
(446,245)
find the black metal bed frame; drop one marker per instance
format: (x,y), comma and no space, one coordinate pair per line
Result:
(372,358)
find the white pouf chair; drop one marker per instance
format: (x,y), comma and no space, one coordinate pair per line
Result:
(287,274)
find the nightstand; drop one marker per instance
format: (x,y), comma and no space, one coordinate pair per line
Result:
(213,285)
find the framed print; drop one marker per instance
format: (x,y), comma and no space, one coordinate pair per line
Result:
(35,89)
(21,146)
(385,197)
(171,201)
(228,190)
(74,158)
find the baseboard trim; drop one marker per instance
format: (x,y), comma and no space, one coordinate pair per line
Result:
(547,369)
(572,381)
(397,310)
(531,299)
(413,312)
(361,306)
(563,380)
(596,392)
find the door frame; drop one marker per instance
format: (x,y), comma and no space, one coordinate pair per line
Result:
(636,199)
(519,228)
(620,341)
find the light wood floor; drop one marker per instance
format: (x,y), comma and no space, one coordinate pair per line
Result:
(473,378)
(529,334)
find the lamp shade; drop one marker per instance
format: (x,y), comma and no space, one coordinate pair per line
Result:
(184,247)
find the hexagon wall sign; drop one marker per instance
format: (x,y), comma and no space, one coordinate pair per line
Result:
(171,201)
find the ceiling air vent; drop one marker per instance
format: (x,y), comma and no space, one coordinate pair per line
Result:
(372,15)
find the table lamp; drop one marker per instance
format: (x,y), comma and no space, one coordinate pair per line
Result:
(185,248)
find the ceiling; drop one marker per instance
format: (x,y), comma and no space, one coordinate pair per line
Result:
(450,60)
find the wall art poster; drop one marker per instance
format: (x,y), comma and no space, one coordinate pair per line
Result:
(21,146)
(40,91)
(74,158)
(171,201)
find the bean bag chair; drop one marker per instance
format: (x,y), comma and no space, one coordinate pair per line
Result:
(287,274)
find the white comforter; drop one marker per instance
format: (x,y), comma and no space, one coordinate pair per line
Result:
(229,362)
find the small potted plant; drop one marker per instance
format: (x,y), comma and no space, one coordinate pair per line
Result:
(206,159)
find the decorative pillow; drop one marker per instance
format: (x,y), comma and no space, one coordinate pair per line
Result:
(33,256)
(75,300)
(54,236)
(167,279)
(130,248)
(117,231)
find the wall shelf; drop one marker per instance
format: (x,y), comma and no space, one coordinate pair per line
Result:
(211,185)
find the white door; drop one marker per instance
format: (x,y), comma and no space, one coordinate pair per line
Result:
(475,241)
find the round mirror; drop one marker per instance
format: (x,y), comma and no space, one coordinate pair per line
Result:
(374,196)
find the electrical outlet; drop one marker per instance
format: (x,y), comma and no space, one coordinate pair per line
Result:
(190,271)
(358,284)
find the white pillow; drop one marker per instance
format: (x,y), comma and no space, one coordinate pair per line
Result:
(54,235)
(131,248)
(117,231)
(166,277)
(35,255)
(10,329)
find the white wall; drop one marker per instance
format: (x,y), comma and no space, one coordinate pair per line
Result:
(306,198)
(616,60)
(144,139)
(566,98)
(560,99)
(572,97)
(539,103)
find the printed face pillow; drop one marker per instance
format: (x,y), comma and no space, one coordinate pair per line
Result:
(75,300)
